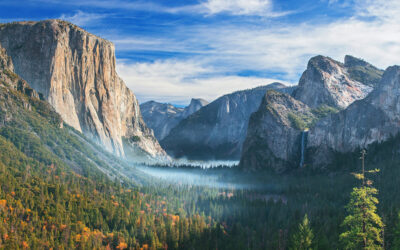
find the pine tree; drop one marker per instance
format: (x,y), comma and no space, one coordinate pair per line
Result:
(396,241)
(303,238)
(364,225)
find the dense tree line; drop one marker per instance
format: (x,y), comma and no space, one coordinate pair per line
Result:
(54,195)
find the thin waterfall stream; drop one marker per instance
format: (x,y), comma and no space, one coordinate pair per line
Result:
(304,135)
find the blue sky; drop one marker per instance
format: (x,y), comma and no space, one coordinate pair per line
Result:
(173,50)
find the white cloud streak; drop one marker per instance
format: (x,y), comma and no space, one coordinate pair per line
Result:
(206,7)
(81,18)
(178,81)
(241,7)
(373,33)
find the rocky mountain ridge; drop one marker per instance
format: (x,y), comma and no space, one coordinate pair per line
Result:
(8,76)
(33,134)
(217,131)
(275,115)
(328,82)
(75,72)
(162,117)
(337,114)
(373,119)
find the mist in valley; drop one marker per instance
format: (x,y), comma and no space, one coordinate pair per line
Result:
(219,175)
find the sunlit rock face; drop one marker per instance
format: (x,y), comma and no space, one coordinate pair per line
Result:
(328,82)
(217,130)
(373,119)
(75,72)
(273,140)
(162,117)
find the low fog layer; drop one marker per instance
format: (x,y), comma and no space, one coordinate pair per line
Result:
(203,164)
(195,177)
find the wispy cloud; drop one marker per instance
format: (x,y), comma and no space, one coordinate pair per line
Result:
(241,7)
(178,81)
(371,33)
(206,7)
(81,18)
(383,10)
(224,38)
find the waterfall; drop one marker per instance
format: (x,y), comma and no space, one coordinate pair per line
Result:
(304,134)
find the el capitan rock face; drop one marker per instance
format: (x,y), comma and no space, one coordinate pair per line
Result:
(327,82)
(162,117)
(75,72)
(217,131)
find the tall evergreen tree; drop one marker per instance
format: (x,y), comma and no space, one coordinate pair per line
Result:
(396,240)
(363,224)
(303,238)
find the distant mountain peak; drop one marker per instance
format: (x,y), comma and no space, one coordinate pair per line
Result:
(328,82)
(162,117)
(195,104)
(195,101)
(217,130)
(277,85)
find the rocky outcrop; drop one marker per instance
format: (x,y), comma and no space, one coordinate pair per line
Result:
(162,117)
(362,71)
(75,72)
(328,82)
(5,60)
(9,78)
(273,135)
(195,104)
(373,119)
(325,88)
(218,130)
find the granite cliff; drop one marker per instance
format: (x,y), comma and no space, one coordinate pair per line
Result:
(162,117)
(331,111)
(9,78)
(33,135)
(328,82)
(373,119)
(273,121)
(75,72)
(218,130)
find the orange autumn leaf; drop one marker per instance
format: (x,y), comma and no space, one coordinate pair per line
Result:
(25,245)
(122,245)
(3,203)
